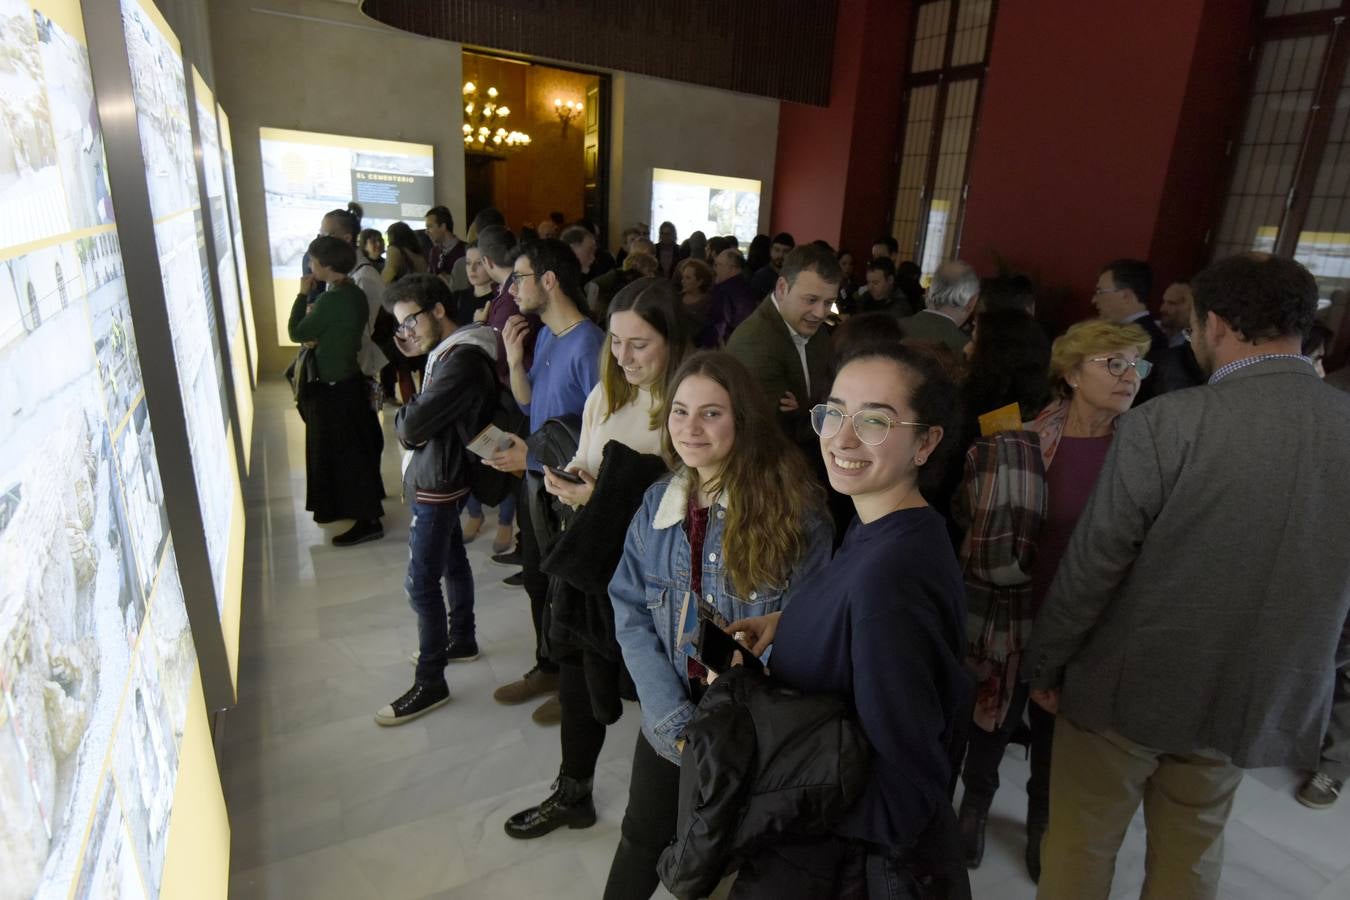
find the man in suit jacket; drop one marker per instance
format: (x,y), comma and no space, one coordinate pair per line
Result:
(951,301)
(782,342)
(1122,292)
(1194,624)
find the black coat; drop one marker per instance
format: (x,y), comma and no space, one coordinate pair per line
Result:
(457,399)
(761,762)
(579,616)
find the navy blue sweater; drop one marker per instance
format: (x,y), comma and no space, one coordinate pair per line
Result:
(884,624)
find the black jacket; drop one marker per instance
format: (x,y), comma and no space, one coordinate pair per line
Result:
(761,762)
(580,618)
(458,397)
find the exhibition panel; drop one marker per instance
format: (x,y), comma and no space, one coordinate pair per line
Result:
(712,204)
(305,175)
(97,661)
(166,144)
(237,234)
(227,276)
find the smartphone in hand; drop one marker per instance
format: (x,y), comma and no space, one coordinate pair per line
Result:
(569,477)
(715,648)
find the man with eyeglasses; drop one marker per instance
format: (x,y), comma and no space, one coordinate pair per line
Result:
(1194,626)
(1121,295)
(457,400)
(546,282)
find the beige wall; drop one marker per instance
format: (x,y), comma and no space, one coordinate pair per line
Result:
(667,124)
(321,66)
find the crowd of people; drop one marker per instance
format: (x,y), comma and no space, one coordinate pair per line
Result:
(845,538)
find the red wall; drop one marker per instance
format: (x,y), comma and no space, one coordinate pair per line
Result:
(1212,114)
(870,193)
(811,162)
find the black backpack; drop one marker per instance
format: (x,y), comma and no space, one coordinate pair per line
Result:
(490,486)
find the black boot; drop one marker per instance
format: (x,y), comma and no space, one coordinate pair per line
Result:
(569,804)
(1035,840)
(971,823)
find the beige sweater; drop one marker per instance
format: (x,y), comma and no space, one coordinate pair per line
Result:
(630,426)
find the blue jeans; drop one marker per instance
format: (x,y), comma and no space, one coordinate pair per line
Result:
(506,510)
(436,550)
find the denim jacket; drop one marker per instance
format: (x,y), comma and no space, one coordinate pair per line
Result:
(654,612)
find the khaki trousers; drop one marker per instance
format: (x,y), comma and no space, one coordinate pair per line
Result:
(1097,781)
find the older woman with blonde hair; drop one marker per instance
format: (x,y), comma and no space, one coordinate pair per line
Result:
(1096,369)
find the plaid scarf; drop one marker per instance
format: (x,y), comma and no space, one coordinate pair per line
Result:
(1006,498)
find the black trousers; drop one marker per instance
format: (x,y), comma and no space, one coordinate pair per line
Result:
(582,737)
(648,825)
(984,753)
(342,454)
(536,582)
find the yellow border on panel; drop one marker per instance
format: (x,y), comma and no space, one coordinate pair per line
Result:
(231,608)
(368,145)
(197,854)
(154,15)
(199,85)
(66,14)
(718,182)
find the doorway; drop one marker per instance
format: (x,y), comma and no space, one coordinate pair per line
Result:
(535,141)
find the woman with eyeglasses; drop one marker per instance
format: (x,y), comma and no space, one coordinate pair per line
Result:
(882,624)
(342,458)
(1096,369)
(731,534)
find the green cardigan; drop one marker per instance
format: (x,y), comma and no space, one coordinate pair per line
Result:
(337,320)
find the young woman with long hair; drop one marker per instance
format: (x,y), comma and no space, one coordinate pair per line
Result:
(729,535)
(883,624)
(648,338)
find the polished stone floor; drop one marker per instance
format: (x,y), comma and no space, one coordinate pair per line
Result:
(325,804)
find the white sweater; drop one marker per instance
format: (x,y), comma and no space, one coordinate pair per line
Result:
(630,426)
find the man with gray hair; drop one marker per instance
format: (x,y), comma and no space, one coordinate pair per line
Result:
(950,304)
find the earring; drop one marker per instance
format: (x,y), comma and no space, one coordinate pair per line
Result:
(920,460)
(1073,386)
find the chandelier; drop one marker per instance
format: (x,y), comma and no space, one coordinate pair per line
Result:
(485,123)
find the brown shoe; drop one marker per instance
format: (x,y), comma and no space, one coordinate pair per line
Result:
(532,684)
(549,713)
(472,525)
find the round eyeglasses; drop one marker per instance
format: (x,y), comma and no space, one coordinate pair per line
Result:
(1119,365)
(408,324)
(869,425)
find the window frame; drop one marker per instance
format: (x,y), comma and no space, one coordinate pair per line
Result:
(1334,24)
(941,78)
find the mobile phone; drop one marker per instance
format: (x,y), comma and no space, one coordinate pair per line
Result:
(714,648)
(569,477)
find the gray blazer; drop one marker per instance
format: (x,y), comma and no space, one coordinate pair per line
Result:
(1207,585)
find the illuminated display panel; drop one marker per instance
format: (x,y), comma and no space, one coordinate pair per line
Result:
(96,656)
(218,217)
(232,195)
(305,175)
(712,204)
(171,176)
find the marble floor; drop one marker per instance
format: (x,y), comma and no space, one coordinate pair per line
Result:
(325,804)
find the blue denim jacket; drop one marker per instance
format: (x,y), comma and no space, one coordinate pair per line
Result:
(654,611)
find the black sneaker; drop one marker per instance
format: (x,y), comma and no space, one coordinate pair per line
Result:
(360,533)
(461,651)
(509,559)
(515,580)
(418,701)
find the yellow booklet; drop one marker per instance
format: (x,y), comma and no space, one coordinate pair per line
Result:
(1006,418)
